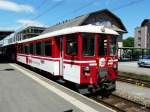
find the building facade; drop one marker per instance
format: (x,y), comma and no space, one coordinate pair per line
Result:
(142,35)
(28,32)
(3,34)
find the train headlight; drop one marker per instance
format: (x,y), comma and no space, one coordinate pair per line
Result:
(110,62)
(115,66)
(86,69)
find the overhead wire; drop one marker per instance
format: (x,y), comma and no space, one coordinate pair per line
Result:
(93,2)
(77,9)
(29,15)
(41,4)
(49,9)
(127,4)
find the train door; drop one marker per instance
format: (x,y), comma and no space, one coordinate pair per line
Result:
(71,58)
(61,56)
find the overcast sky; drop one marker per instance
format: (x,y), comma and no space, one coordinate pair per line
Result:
(15,14)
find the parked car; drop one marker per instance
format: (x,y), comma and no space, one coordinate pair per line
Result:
(145,61)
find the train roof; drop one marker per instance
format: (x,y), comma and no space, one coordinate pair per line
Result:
(86,29)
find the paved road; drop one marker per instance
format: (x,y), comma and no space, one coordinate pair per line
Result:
(133,68)
(22,90)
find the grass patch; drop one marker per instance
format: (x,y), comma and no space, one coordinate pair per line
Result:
(135,76)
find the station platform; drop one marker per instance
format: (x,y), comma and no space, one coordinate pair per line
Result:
(22,90)
(133,92)
(133,67)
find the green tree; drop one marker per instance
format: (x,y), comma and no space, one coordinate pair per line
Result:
(129,42)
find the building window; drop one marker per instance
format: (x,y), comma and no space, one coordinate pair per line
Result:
(139,38)
(139,32)
(139,45)
(148,34)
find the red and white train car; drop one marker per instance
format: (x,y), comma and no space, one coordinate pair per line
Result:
(85,55)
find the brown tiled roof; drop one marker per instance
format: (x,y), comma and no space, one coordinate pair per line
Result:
(79,20)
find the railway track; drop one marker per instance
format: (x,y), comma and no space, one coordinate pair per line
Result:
(120,104)
(134,81)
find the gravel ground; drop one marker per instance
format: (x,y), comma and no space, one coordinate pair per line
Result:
(132,92)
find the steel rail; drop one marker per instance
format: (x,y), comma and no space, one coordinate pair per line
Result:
(134,81)
(121,104)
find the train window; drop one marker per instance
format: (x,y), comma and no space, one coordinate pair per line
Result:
(42,49)
(88,44)
(26,49)
(31,48)
(34,48)
(47,48)
(21,48)
(71,44)
(38,48)
(102,46)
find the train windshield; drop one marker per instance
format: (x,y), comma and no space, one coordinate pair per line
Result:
(105,48)
(102,46)
(113,46)
(88,44)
